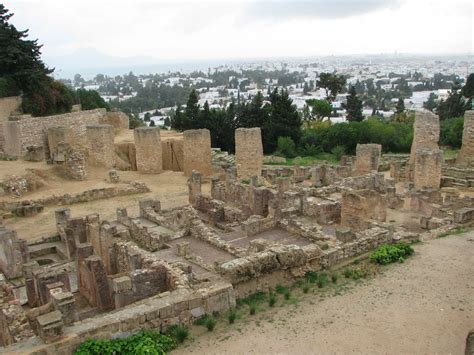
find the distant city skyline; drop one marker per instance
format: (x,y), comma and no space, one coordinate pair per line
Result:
(90,33)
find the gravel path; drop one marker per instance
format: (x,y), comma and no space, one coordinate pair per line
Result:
(424,306)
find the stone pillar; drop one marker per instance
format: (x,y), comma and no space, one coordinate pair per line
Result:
(197,152)
(248,152)
(13,253)
(100,139)
(148,150)
(367,158)
(466,154)
(425,135)
(50,326)
(194,186)
(63,301)
(428,166)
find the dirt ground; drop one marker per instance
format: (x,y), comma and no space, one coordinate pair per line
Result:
(424,306)
(170,187)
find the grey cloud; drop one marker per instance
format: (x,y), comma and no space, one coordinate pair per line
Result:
(324,9)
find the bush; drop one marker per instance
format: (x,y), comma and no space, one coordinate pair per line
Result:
(272,299)
(305,288)
(178,332)
(253,309)
(387,254)
(232,316)
(286,147)
(334,277)
(287,294)
(144,342)
(451,131)
(211,323)
(281,289)
(311,276)
(338,151)
(348,273)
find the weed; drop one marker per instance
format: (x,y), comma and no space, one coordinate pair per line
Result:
(211,323)
(253,309)
(387,254)
(231,317)
(281,289)
(348,273)
(334,277)
(311,276)
(178,332)
(287,294)
(305,288)
(201,320)
(271,299)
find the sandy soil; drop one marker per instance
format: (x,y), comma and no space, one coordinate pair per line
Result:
(170,187)
(424,306)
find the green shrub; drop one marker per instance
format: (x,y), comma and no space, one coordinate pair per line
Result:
(348,273)
(305,288)
(334,277)
(387,254)
(201,320)
(144,342)
(338,151)
(272,299)
(281,289)
(287,294)
(253,309)
(211,323)
(232,316)
(178,332)
(286,147)
(311,276)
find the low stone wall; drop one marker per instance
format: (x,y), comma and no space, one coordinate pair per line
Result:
(86,196)
(34,130)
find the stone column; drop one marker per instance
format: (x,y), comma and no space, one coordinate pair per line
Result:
(428,166)
(148,150)
(100,140)
(466,154)
(197,152)
(425,135)
(248,152)
(194,186)
(367,158)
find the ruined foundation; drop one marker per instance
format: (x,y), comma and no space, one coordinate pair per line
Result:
(197,152)
(148,150)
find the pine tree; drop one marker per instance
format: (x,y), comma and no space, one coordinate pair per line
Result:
(400,106)
(192,112)
(353,106)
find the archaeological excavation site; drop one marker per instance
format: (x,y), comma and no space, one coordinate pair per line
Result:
(106,231)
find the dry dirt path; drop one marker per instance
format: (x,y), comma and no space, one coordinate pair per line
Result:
(424,306)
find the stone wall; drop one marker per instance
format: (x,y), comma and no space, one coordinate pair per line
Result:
(425,134)
(100,139)
(197,152)
(13,253)
(115,118)
(8,105)
(358,208)
(466,154)
(428,166)
(367,158)
(172,154)
(34,130)
(148,150)
(248,152)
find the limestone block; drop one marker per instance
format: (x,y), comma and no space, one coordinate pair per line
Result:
(248,152)
(367,158)
(148,150)
(101,145)
(428,165)
(466,154)
(197,152)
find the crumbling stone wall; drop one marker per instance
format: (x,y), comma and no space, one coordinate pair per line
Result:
(466,154)
(57,137)
(367,158)
(13,253)
(34,130)
(197,152)
(428,166)
(359,207)
(172,153)
(8,105)
(115,118)
(148,150)
(100,140)
(425,134)
(248,152)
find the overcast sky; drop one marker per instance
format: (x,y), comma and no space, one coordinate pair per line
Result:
(195,30)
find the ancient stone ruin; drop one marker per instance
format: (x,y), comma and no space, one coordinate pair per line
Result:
(247,227)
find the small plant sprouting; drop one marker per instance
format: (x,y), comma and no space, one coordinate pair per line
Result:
(348,273)
(305,288)
(334,277)
(211,323)
(287,295)
(232,316)
(271,299)
(253,309)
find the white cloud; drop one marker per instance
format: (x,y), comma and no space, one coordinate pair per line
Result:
(194,29)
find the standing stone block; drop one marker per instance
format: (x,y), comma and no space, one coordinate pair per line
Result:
(194,186)
(148,150)
(13,253)
(367,158)
(100,139)
(57,136)
(197,152)
(50,326)
(425,134)
(466,154)
(428,166)
(248,152)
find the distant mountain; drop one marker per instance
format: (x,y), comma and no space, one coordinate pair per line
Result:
(92,58)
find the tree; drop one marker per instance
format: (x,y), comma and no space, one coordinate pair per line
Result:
(90,100)
(468,89)
(454,105)
(305,88)
(430,104)
(400,108)
(152,123)
(333,84)
(192,112)
(353,106)
(317,109)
